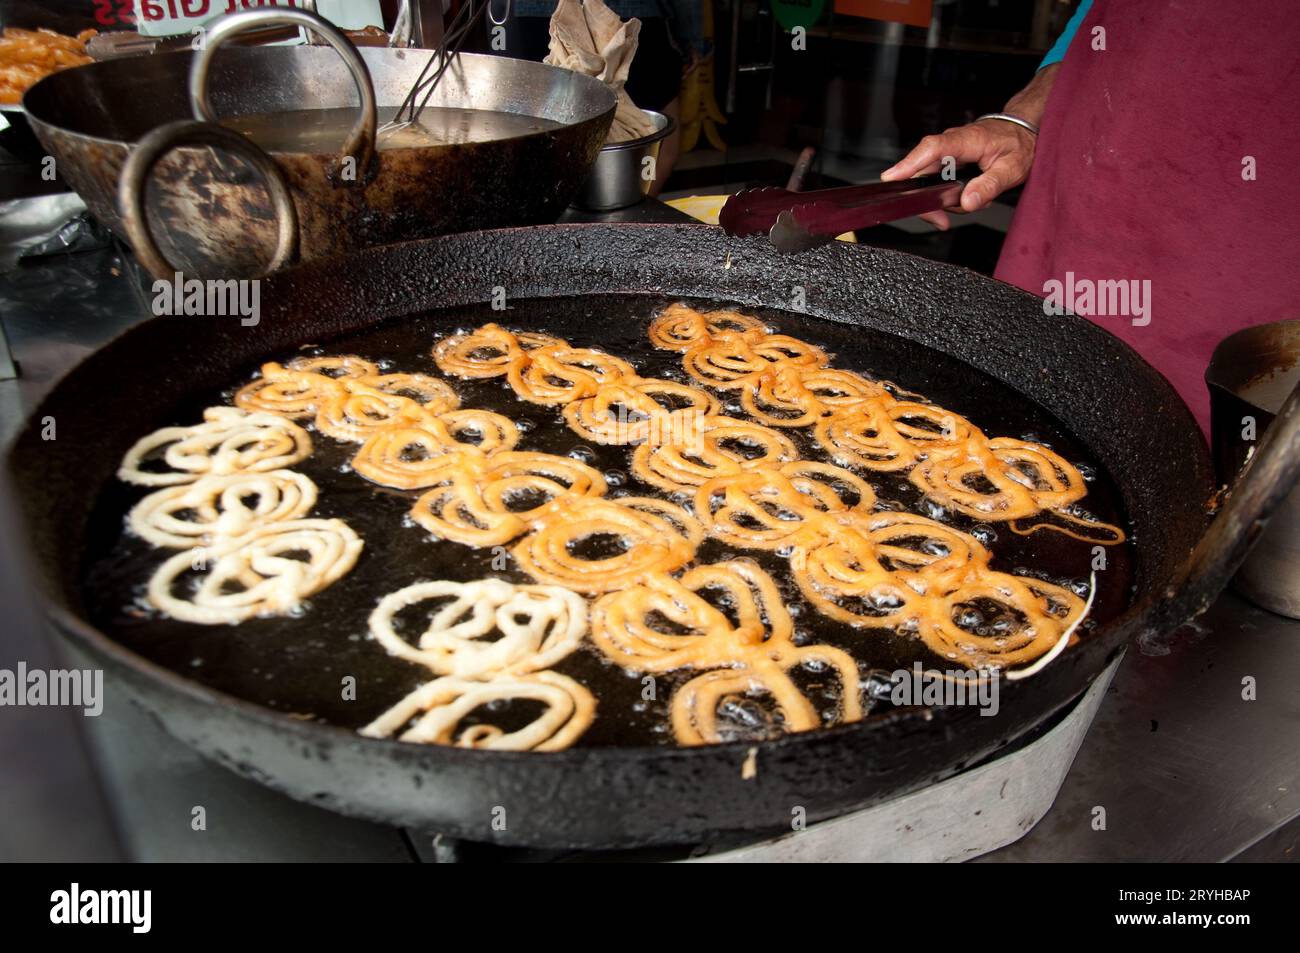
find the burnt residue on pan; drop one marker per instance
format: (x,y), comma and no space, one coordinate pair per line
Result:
(298,665)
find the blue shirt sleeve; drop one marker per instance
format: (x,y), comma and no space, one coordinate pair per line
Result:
(1057,52)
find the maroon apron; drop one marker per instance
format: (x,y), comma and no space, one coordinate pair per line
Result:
(1144,174)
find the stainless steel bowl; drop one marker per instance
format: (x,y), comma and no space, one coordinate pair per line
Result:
(621,176)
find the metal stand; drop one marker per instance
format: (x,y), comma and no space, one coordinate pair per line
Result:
(978,811)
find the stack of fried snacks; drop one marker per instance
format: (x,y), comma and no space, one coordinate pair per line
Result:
(27,56)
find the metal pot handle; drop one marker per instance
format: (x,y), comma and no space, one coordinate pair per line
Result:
(360,144)
(132,185)
(1264,482)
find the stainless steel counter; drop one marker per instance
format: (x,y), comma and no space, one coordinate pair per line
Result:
(1182,766)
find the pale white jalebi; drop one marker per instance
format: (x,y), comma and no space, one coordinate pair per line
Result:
(536,626)
(228,441)
(193,514)
(435,711)
(256,574)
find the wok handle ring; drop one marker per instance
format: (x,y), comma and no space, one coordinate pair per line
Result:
(134,181)
(1266,480)
(360,144)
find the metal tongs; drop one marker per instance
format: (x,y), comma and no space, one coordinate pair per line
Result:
(797,221)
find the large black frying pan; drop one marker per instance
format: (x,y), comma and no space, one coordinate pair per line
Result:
(1125,413)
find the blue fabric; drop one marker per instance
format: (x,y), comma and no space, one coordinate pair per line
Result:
(1057,52)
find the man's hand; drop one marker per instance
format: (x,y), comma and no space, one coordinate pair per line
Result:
(1003,151)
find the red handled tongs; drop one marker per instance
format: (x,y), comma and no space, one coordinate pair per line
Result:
(797,221)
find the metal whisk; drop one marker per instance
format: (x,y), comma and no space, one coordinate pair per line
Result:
(443,56)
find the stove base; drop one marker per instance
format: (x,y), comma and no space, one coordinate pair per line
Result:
(978,811)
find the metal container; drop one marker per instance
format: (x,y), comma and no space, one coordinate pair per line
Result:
(218,212)
(1250,376)
(621,175)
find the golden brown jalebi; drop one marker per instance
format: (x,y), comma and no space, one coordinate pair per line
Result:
(711,447)
(784,382)
(873,569)
(347,396)
(1011,480)
(891,436)
(925,554)
(733,360)
(487,352)
(228,441)
(256,574)
(27,56)
(1029,616)
(593,545)
(366,405)
(751,489)
(298,389)
(1001,479)
(425,454)
(489,501)
(662,624)
(435,397)
(679,326)
(772,507)
(356,415)
(482,429)
(340,367)
(407,457)
(641,410)
(697,704)
(791,395)
(288,392)
(901,570)
(558,374)
(191,514)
